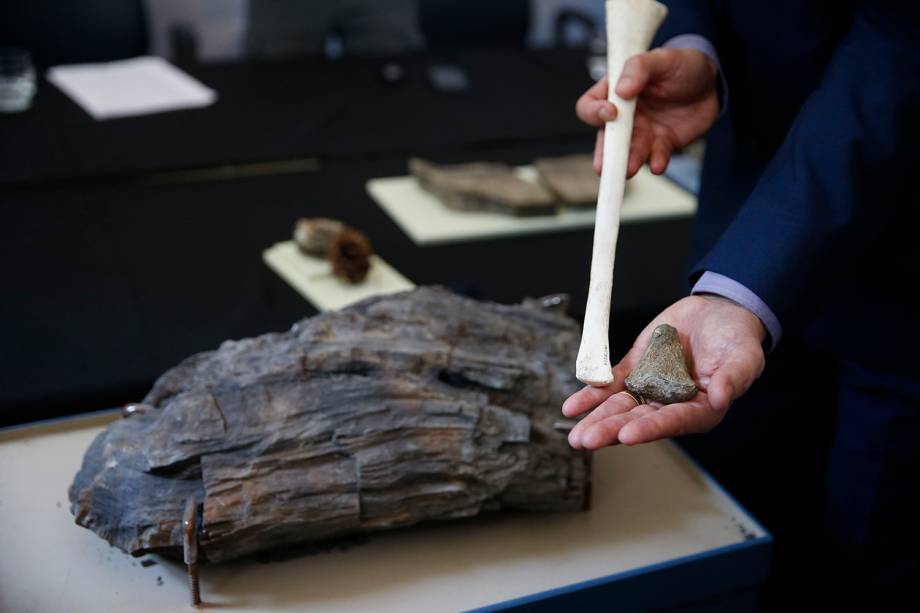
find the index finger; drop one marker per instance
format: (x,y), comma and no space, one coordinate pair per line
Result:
(589,396)
(593,108)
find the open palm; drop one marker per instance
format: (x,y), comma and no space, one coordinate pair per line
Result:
(723,344)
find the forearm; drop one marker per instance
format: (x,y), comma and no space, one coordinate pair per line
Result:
(819,202)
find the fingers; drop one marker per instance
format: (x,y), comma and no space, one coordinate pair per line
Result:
(584,433)
(587,398)
(721,391)
(590,397)
(735,377)
(649,143)
(640,146)
(618,420)
(599,151)
(671,420)
(642,68)
(606,432)
(661,155)
(593,108)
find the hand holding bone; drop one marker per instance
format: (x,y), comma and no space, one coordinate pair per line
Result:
(677,103)
(722,342)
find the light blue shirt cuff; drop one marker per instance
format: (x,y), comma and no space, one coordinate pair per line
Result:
(714,283)
(705,46)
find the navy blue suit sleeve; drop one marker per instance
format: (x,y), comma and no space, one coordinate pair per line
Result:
(841,173)
(686,17)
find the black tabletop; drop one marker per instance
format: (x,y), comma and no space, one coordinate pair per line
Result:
(113,273)
(305,108)
(106,287)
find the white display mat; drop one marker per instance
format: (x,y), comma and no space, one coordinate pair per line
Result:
(427,221)
(650,505)
(312,277)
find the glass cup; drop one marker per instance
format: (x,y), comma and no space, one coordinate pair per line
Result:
(17,80)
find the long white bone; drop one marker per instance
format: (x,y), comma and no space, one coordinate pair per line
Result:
(631,25)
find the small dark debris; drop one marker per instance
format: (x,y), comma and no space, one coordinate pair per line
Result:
(148,562)
(747,534)
(159,581)
(58,504)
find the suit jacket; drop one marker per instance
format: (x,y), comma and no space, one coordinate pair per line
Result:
(809,187)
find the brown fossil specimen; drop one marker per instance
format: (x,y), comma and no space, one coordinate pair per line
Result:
(406,408)
(571,178)
(482,186)
(661,373)
(348,250)
(350,253)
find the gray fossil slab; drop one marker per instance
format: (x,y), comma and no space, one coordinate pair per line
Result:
(483,186)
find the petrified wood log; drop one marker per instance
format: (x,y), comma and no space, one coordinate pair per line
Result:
(482,186)
(412,407)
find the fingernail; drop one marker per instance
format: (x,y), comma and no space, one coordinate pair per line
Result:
(604,112)
(626,83)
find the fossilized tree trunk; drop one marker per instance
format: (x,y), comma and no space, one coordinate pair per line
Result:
(417,406)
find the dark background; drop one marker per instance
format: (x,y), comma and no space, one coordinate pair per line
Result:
(129,244)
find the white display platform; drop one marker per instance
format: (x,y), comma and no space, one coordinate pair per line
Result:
(652,508)
(427,221)
(312,277)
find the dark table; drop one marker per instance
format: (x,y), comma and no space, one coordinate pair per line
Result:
(121,259)
(306,109)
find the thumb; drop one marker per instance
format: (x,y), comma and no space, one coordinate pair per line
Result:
(640,69)
(734,378)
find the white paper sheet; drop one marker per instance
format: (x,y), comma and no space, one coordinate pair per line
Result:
(125,88)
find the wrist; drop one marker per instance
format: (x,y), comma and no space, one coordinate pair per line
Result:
(756,325)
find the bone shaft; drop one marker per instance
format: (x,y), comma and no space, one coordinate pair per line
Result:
(631,25)
(623,42)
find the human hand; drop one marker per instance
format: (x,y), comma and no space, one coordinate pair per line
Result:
(678,102)
(722,343)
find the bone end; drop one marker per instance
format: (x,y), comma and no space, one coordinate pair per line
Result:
(595,375)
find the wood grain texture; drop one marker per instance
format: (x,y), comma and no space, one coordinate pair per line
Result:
(412,407)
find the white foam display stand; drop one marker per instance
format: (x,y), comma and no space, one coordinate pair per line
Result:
(428,221)
(660,532)
(312,277)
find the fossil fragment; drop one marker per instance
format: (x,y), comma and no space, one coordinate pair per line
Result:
(661,373)
(347,249)
(350,254)
(571,178)
(482,186)
(400,409)
(313,234)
